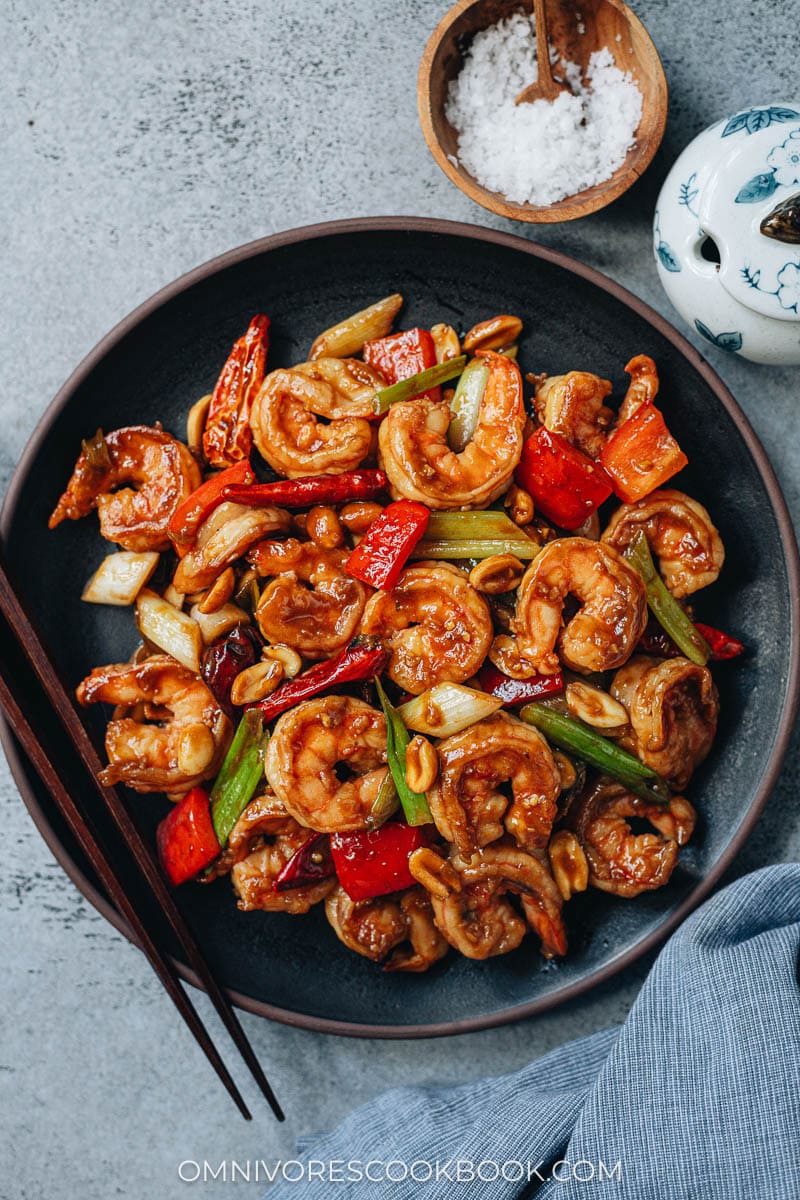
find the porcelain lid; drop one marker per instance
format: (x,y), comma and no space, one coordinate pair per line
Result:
(753,169)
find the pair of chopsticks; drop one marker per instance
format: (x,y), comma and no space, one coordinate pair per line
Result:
(35,746)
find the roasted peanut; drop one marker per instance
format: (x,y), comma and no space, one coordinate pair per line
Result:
(495,334)
(566,770)
(595,707)
(445,339)
(219,593)
(323,527)
(289,659)
(173,596)
(217,624)
(196,423)
(256,682)
(359,515)
(195,749)
(434,872)
(568,863)
(519,504)
(247,592)
(497,574)
(422,764)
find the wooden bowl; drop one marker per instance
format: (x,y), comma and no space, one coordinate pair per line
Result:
(607,23)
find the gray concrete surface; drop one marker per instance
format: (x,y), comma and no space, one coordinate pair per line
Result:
(139,139)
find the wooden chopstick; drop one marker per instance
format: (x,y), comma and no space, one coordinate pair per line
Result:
(40,759)
(25,633)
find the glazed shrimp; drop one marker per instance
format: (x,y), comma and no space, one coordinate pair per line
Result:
(642,389)
(436,627)
(467,802)
(289,436)
(161,471)
(261,843)
(603,633)
(223,537)
(672,706)
(307,746)
(469,905)
(680,533)
(352,384)
(311,604)
(399,923)
(572,405)
(620,861)
(187,740)
(421,466)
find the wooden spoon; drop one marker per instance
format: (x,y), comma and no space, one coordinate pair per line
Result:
(547,87)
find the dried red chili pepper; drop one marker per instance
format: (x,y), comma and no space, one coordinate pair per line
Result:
(362,659)
(227,437)
(310,490)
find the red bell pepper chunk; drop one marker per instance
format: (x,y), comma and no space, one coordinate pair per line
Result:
(722,645)
(186,840)
(641,455)
(566,485)
(372,864)
(518,691)
(189,516)
(227,437)
(311,864)
(309,490)
(362,659)
(401,355)
(381,554)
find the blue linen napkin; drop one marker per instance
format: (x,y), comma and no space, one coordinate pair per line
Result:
(696,1096)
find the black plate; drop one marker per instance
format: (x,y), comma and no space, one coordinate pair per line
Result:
(168,352)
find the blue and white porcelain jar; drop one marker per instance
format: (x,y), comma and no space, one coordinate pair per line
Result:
(727,234)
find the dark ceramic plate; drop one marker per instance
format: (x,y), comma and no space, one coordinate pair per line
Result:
(167,353)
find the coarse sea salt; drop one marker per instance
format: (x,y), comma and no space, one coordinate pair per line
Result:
(541,152)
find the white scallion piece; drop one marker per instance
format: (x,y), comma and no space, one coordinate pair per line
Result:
(171,630)
(348,336)
(447,708)
(215,625)
(120,577)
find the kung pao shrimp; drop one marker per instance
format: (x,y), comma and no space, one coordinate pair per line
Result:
(403,653)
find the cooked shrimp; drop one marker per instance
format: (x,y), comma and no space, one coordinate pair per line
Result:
(292,440)
(224,536)
(673,707)
(174,753)
(352,385)
(437,628)
(572,405)
(602,634)
(402,923)
(469,905)
(326,762)
(468,804)
(421,466)
(620,861)
(261,843)
(161,470)
(680,533)
(312,604)
(642,389)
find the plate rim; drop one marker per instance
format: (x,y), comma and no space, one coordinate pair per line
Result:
(432,225)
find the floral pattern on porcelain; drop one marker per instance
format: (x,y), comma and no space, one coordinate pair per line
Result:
(721,188)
